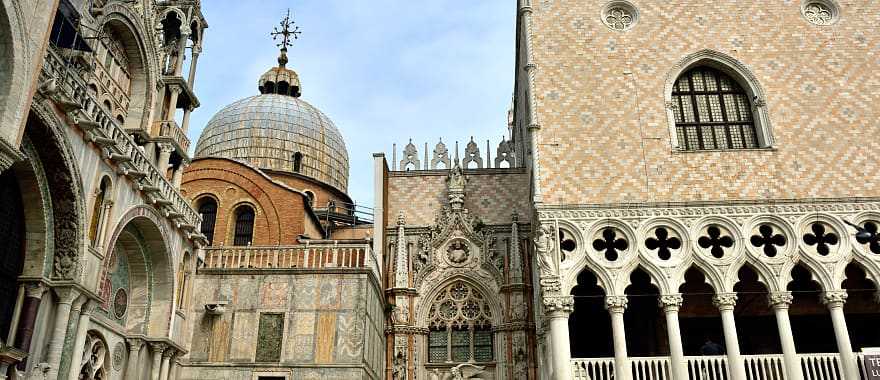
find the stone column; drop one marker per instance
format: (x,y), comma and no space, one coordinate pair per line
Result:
(172,102)
(102,225)
(166,363)
(184,36)
(165,150)
(780,301)
(84,309)
(835,300)
(33,294)
(156,368)
(177,178)
(725,302)
(172,373)
(671,303)
(150,151)
(196,49)
(66,296)
(557,309)
(184,125)
(616,305)
(132,370)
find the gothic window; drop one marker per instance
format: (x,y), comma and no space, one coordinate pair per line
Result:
(712,111)
(98,211)
(271,331)
(113,69)
(460,326)
(244,226)
(208,210)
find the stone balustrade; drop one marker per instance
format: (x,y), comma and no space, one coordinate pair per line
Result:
(69,92)
(171,132)
(321,255)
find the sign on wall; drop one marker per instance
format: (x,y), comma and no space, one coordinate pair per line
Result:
(872,363)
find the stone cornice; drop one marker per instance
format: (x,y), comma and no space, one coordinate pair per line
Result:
(697,209)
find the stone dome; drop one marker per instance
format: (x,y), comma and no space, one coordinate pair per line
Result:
(281,132)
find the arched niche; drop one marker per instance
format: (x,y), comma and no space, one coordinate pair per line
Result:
(144,245)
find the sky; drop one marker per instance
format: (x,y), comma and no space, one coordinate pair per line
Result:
(384,71)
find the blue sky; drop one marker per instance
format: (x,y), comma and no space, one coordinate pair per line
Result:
(384,71)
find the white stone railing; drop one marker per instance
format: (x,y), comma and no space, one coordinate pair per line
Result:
(320,255)
(71,95)
(758,367)
(171,131)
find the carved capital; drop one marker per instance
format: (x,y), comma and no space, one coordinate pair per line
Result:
(558,304)
(175,89)
(616,304)
(158,347)
(550,284)
(166,148)
(780,300)
(670,302)
(834,299)
(672,105)
(134,344)
(67,295)
(759,103)
(169,352)
(34,290)
(724,301)
(8,155)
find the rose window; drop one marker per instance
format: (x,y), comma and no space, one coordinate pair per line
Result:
(620,15)
(869,237)
(610,244)
(819,13)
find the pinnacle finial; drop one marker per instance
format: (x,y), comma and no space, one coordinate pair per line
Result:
(288,30)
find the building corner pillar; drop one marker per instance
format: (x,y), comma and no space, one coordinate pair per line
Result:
(66,297)
(780,301)
(83,308)
(132,369)
(671,303)
(557,309)
(156,367)
(616,305)
(726,302)
(834,300)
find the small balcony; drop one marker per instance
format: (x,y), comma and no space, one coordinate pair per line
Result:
(169,131)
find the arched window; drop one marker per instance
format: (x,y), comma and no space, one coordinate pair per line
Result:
(183,280)
(208,210)
(712,111)
(244,226)
(311,196)
(95,224)
(460,326)
(297,162)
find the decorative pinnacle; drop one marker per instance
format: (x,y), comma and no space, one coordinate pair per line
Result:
(288,30)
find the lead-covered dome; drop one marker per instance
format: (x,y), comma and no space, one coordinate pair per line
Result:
(277,130)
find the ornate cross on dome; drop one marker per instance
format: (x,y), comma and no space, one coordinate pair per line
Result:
(288,30)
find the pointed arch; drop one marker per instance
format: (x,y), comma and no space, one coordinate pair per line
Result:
(736,70)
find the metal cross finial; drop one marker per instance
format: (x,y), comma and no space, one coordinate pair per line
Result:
(288,29)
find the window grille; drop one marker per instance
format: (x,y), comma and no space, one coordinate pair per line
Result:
(712,111)
(460,325)
(208,210)
(244,226)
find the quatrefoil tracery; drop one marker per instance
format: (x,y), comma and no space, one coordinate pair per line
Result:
(715,242)
(871,239)
(768,239)
(610,244)
(822,239)
(663,243)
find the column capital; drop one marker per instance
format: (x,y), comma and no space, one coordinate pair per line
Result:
(158,347)
(616,304)
(169,352)
(166,148)
(66,295)
(34,290)
(780,300)
(670,302)
(175,89)
(834,298)
(134,344)
(725,301)
(558,305)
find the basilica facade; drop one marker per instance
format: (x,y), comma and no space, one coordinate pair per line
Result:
(685,190)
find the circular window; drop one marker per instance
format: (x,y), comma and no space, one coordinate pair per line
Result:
(120,303)
(820,12)
(620,15)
